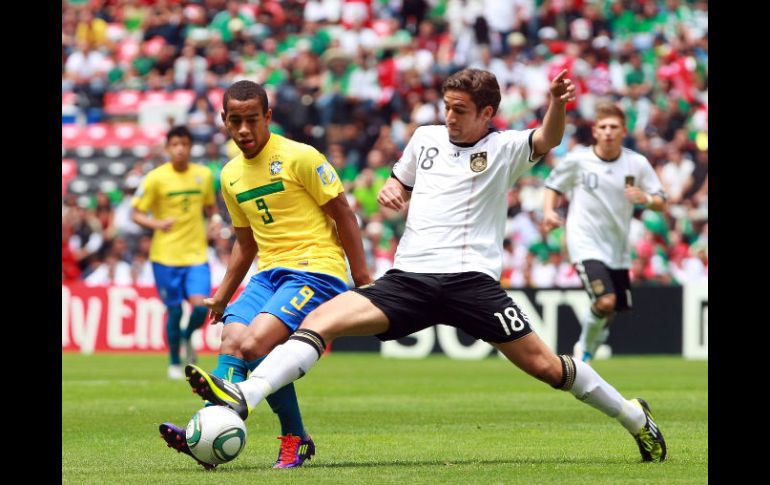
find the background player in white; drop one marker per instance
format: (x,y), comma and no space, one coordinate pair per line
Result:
(605,181)
(448,263)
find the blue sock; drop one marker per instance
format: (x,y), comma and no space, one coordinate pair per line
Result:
(230,368)
(172,332)
(284,403)
(197,317)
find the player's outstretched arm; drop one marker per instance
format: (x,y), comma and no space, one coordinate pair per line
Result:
(350,235)
(549,135)
(244,252)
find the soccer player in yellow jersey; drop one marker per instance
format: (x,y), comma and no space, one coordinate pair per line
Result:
(287,204)
(177,193)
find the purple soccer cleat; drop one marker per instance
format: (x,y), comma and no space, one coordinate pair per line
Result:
(294,451)
(176,438)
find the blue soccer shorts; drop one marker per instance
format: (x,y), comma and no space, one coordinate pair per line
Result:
(285,293)
(178,283)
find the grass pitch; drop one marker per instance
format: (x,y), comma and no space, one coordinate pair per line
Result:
(383,421)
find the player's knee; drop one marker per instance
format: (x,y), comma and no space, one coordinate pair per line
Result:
(606,304)
(230,346)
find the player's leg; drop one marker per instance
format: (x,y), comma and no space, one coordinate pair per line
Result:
(197,286)
(346,314)
(297,293)
(563,372)
(599,285)
(495,318)
(231,365)
(168,281)
(392,307)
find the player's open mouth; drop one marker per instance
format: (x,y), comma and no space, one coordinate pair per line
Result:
(247,143)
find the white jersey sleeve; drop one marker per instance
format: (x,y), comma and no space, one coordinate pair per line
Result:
(518,149)
(563,176)
(405,169)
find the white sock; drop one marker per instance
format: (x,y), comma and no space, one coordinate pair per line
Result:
(286,363)
(590,388)
(594,332)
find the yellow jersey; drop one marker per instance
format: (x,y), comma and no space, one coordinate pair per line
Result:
(180,196)
(279,194)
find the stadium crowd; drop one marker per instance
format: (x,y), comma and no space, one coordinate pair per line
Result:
(354,78)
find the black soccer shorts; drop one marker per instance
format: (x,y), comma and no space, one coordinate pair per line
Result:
(471,301)
(599,280)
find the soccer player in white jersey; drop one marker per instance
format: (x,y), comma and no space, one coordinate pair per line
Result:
(448,263)
(605,181)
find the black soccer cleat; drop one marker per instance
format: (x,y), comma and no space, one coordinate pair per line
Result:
(652,446)
(217,391)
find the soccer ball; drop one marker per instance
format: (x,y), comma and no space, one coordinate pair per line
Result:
(216,434)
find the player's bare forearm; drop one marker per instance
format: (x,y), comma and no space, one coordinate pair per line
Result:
(350,236)
(550,197)
(393,194)
(551,219)
(638,196)
(243,254)
(150,223)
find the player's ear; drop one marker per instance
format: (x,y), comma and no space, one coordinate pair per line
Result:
(224,116)
(487,112)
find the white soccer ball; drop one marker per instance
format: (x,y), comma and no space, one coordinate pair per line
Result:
(216,434)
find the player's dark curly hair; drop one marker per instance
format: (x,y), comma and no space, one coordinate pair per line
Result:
(481,85)
(180,131)
(243,91)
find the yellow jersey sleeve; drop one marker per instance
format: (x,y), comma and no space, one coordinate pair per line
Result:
(145,195)
(317,176)
(237,214)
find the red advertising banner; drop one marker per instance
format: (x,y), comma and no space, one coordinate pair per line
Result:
(122,318)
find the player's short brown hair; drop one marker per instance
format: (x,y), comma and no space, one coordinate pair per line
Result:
(481,85)
(606,109)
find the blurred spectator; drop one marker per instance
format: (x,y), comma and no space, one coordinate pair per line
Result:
(110,270)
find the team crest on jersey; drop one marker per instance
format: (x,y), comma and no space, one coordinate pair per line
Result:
(326,174)
(597,286)
(275,168)
(479,161)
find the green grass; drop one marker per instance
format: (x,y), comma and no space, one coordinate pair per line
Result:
(381,421)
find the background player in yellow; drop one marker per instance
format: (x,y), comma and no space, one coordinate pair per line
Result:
(287,203)
(176,194)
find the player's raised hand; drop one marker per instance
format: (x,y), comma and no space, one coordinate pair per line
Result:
(562,88)
(216,309)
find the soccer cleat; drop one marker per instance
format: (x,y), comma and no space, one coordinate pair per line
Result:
(175,372)
(294,451)
(217,391)
(176,438)
(652,446)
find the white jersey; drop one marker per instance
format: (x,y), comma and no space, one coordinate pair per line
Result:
(456,219)
(599,216)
